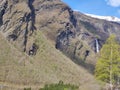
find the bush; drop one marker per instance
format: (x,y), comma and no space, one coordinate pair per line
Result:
(27,88)
(60,86)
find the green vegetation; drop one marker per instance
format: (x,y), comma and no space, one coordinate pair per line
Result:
(108,65)
(27,88)
(60,86)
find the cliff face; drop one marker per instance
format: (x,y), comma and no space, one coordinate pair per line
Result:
(75,34)
(17,22)
(20,18)
(40,28)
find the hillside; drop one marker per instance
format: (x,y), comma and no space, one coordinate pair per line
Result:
(18,70)
(44,41)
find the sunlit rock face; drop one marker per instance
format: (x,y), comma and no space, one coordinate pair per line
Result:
(77,35)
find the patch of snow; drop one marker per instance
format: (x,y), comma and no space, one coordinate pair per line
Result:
(108,18)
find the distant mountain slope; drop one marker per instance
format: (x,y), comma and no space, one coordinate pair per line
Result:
(108,18)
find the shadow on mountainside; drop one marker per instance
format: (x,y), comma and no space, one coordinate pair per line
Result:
(88,66)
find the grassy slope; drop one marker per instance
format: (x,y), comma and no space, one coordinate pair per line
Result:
(17,70)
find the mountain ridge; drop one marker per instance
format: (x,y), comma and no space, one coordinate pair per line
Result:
(52,42)
(108,18)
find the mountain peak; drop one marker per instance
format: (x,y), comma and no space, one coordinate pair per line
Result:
(108,18)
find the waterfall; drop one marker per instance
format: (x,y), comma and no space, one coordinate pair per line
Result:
(96,45)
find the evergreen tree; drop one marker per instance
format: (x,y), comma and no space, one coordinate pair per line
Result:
(108,65)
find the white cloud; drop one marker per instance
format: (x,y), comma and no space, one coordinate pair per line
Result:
(114,3)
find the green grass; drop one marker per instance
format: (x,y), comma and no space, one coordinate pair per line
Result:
(60,86)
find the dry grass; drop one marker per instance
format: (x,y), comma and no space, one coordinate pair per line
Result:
(48,66)
(18,70)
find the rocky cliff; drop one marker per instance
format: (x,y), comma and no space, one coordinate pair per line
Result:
(72,32)
(78,36)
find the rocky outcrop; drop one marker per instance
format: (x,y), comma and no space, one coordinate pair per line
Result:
(77,35)
(2,11)
(17,22)
(89,35)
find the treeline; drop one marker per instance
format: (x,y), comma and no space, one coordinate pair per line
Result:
(58,86)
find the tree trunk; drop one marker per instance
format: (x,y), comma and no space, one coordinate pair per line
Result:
(111,85)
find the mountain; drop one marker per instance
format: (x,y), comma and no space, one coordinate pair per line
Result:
(45,41)
(108,18)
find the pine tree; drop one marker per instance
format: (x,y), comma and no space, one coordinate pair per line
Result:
(108,65)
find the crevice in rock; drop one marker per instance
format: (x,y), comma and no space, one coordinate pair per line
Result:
(86,54)
(32,15)
(12,37)
(33,49)
(62,40)
(30,20)
(17,30)
(26,31)
(2,11)
(72,18)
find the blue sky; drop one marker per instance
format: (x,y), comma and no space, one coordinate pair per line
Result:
(97,7)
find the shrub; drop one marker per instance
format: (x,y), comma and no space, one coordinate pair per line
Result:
(60,86)
(27,88)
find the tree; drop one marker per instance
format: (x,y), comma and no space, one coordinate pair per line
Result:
(27,88)
(108,65)
(60,86)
